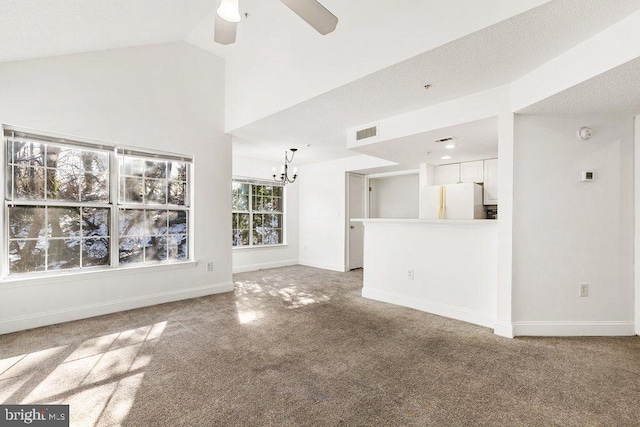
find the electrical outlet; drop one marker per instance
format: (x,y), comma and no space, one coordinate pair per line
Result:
(410,274)
(584,290)
(209,266)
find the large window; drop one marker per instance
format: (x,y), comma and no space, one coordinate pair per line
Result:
(78,205)
(258,215)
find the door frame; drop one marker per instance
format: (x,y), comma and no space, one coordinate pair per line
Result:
(365,207)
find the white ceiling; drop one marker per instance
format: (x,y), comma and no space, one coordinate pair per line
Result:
(279,61)
(36,29)
(614,92)
(473,141)
(489,58)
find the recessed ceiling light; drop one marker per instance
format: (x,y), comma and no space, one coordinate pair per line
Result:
(445,157)
(450,146)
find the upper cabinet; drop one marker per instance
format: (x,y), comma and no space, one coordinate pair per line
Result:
(460,172)
(448,174)
(491,182)
(472,172)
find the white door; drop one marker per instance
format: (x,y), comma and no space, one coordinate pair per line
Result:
(356,229)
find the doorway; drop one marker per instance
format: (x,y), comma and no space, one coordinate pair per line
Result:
(355,230)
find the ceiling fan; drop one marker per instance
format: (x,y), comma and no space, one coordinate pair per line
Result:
(315,14)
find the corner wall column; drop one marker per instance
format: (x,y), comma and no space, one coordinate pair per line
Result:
(504,325)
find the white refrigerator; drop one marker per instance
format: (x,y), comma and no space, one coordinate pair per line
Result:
(454,201)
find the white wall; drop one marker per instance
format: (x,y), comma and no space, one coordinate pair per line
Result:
(454,266)
(394,196)
(256,258)
(323,220)
(566,232)
(167,97)
(637,222)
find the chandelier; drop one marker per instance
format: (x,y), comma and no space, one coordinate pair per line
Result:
(284,170)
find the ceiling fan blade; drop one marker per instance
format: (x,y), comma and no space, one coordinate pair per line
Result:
(314,13)
(224,32)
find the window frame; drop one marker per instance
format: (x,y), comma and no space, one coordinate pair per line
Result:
(262,182)
(113,203)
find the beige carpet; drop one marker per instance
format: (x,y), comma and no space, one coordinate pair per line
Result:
(299,346)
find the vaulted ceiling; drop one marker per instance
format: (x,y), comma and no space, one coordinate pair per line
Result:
(287,86)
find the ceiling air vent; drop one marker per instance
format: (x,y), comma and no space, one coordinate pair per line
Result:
(441,140)
(366,133)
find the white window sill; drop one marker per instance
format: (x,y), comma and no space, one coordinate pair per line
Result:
(28,279)
(242,248)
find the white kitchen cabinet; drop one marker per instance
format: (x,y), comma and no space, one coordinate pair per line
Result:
(472,171)
(491,182)
(448,174)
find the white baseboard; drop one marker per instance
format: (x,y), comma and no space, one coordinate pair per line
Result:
(503,329)
(573,328)
(264,265)
(36,320)
(324,266)
(458,313)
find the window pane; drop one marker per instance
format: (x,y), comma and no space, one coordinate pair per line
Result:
(177,247)
(63,254)
(64,222)
(63,157)
(257,238)
(95,222)
(155,191)
(131,222)
(28,183)
(95,252)
(9,182)
(131,190)
(177,222)
(131,250)
(26,222)
(26,255)
(240,237)
(257,203)
(131,166)
(277,191)
(177,171)
(156,249)
(240,202)
(177,191)
(183,248)
(267,229)
(95,162)
(28,153)
(156,222)
(9,151)
(63,184)
(274,220)
(95,188)
(155,169)
(272,204)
